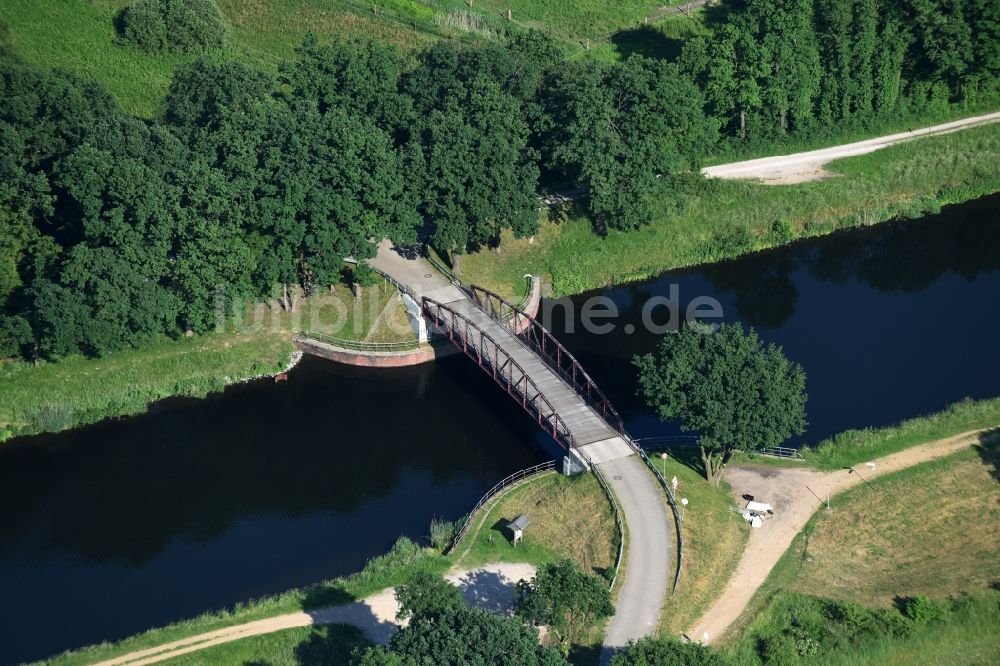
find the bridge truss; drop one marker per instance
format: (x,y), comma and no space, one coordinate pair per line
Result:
(527,329)
(507,372)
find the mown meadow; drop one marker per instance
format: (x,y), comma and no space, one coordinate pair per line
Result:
(899,572)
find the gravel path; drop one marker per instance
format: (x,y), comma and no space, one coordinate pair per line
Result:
(795,494)
(490,586)
(809,166)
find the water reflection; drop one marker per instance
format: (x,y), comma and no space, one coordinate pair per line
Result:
(764,293)
(910,256)
(202,504)
(905,257)
(889,322)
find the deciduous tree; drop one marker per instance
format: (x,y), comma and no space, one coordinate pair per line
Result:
(565,599)
(735,391)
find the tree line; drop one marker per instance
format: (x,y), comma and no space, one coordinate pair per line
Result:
(116,230)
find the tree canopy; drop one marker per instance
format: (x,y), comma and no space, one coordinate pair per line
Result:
(443,630)
(629,134)
(173,25)
(651,651)
(564,598)
(735,391)
(115,230)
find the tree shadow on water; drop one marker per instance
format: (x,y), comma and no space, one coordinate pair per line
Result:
(765,293)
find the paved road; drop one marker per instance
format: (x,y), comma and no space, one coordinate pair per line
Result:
(648,567)
(802,167)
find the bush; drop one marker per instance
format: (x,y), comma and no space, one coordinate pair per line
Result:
(922,610)
(666,652)
(779,650)
(442,532)
(173,25)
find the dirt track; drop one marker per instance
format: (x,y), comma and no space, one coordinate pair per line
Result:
(809,166)
(490,587)
(795,494)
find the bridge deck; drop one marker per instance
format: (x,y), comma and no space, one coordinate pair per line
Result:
(589,430)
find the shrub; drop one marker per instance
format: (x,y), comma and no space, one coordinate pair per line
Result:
(921,610)
(442,532)
(173,25)
(666,652)
(779,650)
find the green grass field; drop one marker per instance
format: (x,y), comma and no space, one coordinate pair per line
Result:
(74,391)
(724,219)
(714,538)
(79,35)
(570,517)
(577,19)
(931,530)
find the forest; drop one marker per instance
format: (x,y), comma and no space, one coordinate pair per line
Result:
(116,231)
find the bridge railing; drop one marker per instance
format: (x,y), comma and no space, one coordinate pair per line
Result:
(538,338)
(619,521)
(360,345)
(672,501)
(507,372)
(506,482)
(549,349)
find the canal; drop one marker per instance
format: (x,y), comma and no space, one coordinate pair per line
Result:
(114,528)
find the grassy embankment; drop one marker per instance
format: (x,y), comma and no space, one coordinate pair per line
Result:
(75,391)
(932,530)
(725,219)
(853,447)
(570,517)
(714,538)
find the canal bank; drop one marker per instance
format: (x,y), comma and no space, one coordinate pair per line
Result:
(205,503)
(719,221)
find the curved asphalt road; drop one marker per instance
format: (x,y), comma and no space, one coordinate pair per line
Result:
(648,562)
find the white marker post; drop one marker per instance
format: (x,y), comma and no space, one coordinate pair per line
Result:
(684,503)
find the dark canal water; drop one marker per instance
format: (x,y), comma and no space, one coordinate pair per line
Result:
(111,529)
(889,322)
